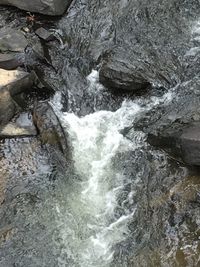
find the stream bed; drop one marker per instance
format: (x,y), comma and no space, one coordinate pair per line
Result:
(109,199)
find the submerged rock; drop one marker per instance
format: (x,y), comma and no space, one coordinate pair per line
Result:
(47,7)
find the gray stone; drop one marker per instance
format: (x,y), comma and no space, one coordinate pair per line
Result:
(22,127)
(183,143)
(12,83)
(190,145)
(9,62)
(49,127)
(44,34)
(16,81)
(12,40)
(37,48)
(8,107)
(48,7)
(121,75)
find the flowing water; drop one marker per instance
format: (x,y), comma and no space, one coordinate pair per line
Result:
(119,202)
(90,226)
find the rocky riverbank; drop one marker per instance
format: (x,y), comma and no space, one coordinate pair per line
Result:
(140,51)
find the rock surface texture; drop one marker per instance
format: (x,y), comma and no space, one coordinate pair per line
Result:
(12,40)
(183,143)
(129,45)
(121,75)
(134,41)
(21,127)
(49,127)
(47,7)
(9,62)
(12,83)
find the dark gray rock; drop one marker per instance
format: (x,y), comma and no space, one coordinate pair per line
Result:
(12,40)
(48,7)
(9,61)
(190,145)
(8,107)
(151,39)
(184,143)
(44,34)
(49,127)
(122,75)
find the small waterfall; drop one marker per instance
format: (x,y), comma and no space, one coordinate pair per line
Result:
(90,229)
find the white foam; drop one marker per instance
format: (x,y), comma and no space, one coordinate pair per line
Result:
(96,138)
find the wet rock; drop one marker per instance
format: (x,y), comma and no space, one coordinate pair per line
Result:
(139,34)
(3,182)
(12,40)
(37,48)
(9,61)
(5,234)
(26,176)
(44,34)
(184,143)
(8,107)
(120,74)
(16,81)
(49,127)
(11,84)
(22,127)
(12,130)
(48,7)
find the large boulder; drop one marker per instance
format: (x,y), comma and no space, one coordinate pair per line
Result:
(146,43)
(120,74)
(47,7)
(183,143)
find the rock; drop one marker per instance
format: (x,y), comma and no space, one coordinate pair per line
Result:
(16,81)
(12,40)
(8,107)
(6,234)
(136,33)
(44,34)
(184,143)
(47,7)
(9,62)
(11,84)
(49,127)
(38,52)
(22,127)
(12,130)
(122,75)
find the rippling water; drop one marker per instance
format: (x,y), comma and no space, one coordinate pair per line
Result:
(90,225)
